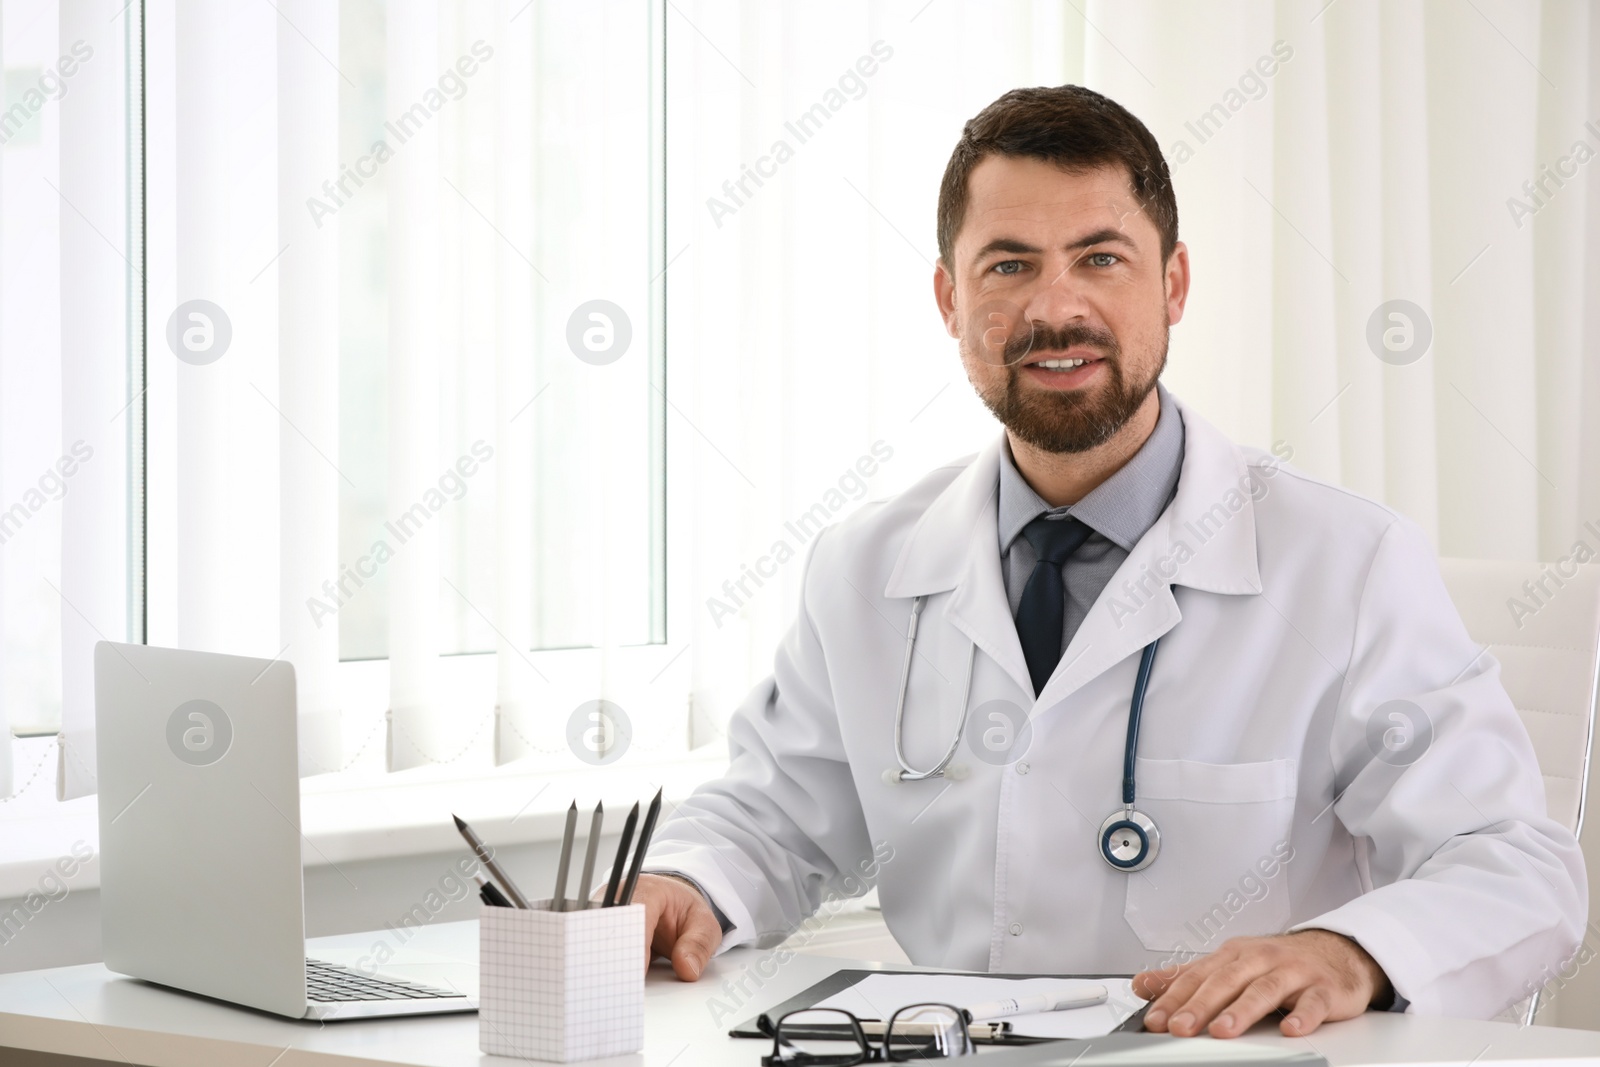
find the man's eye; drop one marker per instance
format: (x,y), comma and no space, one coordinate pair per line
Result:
(1102,259)
(1009,266)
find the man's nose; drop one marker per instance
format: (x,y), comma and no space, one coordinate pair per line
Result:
(1058,299)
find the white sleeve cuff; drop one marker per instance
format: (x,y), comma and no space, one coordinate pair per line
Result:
(734,919)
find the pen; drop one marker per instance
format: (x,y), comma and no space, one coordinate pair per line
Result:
(622,857)
(559,901)
(1062,999)
(490,893)
(996,1032)
(487,859)
(976,1031)
(644,843)
(586,883)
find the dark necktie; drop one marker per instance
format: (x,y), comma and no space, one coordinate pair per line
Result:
(1042,614)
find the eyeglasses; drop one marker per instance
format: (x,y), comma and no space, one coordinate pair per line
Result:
(821,1037)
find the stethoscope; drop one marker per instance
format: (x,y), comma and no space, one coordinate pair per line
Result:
(1128,839)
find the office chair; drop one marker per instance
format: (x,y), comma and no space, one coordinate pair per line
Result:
(1544,628)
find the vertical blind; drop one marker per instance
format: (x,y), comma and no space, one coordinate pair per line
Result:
(416,734)
(98,280)
(307,393)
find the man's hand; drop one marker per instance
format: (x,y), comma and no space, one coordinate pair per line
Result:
(1317,975)
(678,924)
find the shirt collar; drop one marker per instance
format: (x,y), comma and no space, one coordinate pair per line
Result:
(1122,507)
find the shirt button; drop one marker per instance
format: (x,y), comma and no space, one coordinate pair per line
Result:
(1016,929)
(1022,768)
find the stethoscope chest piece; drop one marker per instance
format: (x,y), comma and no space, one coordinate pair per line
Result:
(1129,840)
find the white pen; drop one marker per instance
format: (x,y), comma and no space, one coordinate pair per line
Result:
(1049,1000)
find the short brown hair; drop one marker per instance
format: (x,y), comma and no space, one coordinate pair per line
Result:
(1075,128)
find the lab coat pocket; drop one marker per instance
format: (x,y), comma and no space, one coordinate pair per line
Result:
(1221,871)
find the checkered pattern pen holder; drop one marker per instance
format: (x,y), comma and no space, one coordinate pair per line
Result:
(561,986)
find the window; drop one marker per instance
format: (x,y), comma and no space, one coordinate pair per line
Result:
(402,418)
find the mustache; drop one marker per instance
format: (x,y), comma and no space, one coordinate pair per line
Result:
(1043,337)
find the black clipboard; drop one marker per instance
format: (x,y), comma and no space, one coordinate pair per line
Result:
(840,980)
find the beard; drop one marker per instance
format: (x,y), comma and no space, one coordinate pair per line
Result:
(1067,422)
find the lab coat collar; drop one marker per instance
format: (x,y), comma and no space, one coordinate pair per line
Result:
(1205,539)
(953,546)
(951,530)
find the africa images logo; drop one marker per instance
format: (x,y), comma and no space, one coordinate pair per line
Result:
(199,732)
(1399,732)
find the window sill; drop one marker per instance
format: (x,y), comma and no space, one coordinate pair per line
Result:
(347,821)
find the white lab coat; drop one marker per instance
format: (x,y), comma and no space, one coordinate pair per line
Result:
(1294,610)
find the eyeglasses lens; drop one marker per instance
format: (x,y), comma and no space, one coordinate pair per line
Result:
(820,1037)
(927,1032)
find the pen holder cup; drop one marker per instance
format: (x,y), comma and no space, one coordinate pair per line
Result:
(561,985)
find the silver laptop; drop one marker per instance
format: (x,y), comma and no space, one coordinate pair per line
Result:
(200,879)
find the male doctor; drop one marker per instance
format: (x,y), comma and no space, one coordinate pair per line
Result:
(1343,808)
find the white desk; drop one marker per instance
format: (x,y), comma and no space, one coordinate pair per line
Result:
(88,1012)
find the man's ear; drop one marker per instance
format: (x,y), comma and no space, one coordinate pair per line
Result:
(1177,283)
(944,294)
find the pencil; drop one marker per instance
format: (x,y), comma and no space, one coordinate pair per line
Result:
(622,857)
(490,893)
(586,883)
(487,859)
(559,901)
(644,843)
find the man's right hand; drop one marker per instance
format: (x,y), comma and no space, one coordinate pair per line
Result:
(678,924)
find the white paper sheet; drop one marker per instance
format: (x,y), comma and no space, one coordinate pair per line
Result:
(878,996)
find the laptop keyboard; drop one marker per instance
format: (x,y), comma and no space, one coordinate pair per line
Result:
(329,982)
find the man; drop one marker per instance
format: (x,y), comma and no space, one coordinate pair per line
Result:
(1343,808)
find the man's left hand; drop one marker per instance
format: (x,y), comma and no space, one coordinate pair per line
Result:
(1316,976)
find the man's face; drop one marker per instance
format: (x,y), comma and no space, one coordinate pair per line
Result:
(1060,299)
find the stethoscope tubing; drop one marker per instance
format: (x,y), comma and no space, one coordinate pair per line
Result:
(908,773)
(1141,685)
(1130,751)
